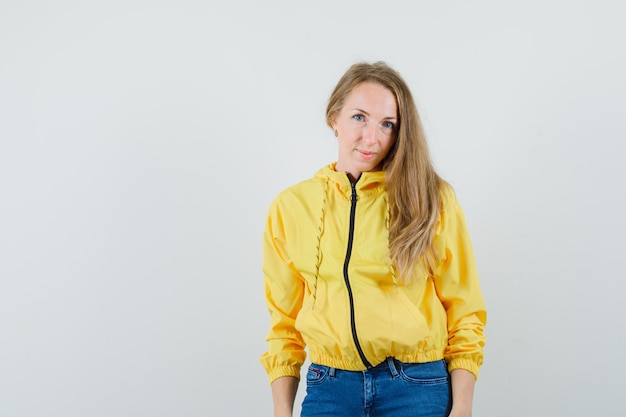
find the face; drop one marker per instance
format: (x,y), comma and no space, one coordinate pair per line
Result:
(366,128)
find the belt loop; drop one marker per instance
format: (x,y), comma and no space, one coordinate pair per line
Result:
(331,372)
(392,367)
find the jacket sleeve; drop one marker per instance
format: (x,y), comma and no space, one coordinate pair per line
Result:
(284,291)
(456,280)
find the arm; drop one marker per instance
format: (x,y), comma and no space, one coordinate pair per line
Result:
(462,393)
(284,292)
(458,289)
(284,393)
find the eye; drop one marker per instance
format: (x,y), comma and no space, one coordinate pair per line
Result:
(388,125)
(358,117)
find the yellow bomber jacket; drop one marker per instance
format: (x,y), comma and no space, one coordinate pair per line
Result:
(330,284)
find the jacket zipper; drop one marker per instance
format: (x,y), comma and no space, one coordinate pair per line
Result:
(353,199)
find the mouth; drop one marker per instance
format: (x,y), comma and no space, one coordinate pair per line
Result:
(367,155)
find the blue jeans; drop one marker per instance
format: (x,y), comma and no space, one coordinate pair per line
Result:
(391,389)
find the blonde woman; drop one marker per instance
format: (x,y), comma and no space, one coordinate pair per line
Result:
(369,266)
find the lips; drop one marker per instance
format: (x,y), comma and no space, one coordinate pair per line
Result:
(366,154)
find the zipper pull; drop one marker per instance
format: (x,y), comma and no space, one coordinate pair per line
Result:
(353,196)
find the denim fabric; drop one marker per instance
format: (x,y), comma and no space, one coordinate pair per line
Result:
(391,389)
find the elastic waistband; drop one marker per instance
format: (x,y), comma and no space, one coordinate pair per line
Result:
(320,356)
(390,365)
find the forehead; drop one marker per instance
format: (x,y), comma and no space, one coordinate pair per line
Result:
(371,96)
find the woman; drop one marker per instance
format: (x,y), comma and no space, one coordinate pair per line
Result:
(369,265)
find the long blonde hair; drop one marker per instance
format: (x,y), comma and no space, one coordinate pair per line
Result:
(412,184)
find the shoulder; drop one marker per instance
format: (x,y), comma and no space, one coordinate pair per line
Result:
(296,205)
(447,196)
(450,211)
(305,193)
(300,190)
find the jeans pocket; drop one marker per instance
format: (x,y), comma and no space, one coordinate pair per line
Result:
(429,373)
(316,374)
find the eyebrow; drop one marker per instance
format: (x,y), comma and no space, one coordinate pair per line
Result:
(385,118)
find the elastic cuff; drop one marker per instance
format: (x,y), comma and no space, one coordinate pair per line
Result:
(461,363)
(276,373)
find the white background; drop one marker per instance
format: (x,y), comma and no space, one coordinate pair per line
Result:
(141,143)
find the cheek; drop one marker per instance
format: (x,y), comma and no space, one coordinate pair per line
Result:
(388,143)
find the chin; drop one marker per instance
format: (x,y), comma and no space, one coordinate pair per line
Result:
(369,168)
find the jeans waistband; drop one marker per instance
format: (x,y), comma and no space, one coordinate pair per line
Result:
(390,365)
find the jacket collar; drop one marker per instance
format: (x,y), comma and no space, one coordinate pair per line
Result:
(368,183)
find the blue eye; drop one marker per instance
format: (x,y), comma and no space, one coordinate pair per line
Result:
(388,125)
(358,117)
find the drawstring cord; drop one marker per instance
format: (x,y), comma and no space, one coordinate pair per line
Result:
(320,231)
(387,226)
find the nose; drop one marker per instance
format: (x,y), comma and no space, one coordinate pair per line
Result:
(369,134)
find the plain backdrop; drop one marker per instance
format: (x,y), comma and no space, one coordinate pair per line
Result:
(141,143)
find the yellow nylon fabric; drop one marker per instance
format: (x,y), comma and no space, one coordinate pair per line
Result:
(305,244)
